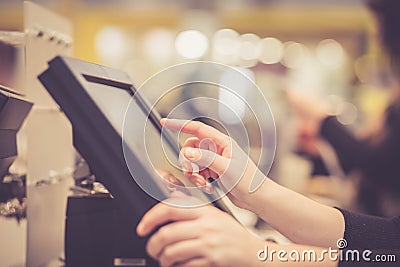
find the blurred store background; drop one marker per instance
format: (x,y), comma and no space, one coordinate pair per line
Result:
(324,48)
(327,49)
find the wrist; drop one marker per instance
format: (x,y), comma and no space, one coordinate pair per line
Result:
(257,201)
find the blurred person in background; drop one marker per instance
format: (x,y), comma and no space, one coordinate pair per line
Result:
(375,159)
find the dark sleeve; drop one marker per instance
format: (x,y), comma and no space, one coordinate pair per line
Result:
(379,235)
(380,161)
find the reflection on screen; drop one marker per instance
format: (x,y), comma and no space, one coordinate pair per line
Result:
(143,139)
(112,101)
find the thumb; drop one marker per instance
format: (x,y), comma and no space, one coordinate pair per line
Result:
(207,158)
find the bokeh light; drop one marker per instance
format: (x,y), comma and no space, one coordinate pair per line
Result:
(250,46)
(191,44)
(112,45)
(158,46)
(295,55)
(272,50)
(330,53)
(226,46)
(348,113)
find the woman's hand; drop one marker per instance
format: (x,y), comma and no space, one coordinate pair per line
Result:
(203,236)
(206,236)
(300,219)
(172,183)
(218,157)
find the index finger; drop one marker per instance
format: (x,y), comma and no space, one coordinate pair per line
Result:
(197,129)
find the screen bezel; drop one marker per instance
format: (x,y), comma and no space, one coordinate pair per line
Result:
(66,80)
(154,116)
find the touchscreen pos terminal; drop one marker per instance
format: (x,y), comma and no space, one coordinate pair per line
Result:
(95,99)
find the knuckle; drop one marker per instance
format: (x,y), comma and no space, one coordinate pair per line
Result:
(197,125)
(212,242)
(163,235)
(167,257)
(192,140)
(209,228)
(169,212)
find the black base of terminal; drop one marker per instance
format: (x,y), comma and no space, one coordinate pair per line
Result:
(99,234)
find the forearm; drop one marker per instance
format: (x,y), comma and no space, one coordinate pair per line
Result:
(300,219)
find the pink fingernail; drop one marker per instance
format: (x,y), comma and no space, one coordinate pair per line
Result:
(198,180)
(209,188)
(192,153)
